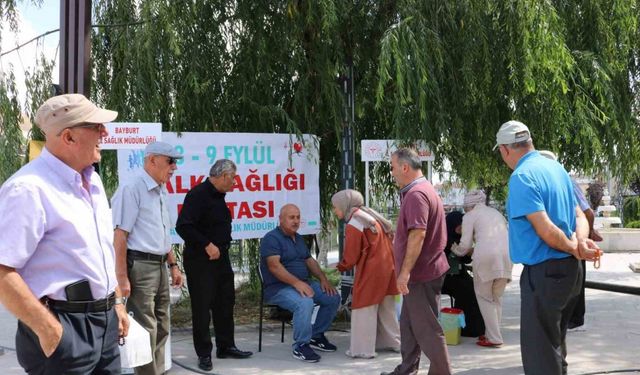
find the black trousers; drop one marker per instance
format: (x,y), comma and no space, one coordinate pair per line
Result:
(577,318)
(89,345)
(548,293)
(460,287)
(212,292)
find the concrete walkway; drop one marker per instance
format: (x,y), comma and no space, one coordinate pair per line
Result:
(610,342)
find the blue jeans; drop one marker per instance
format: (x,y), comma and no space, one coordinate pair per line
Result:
(302,308)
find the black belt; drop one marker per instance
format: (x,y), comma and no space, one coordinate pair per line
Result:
(141,255)
(98,305)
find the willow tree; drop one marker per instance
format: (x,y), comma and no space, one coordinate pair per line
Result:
(568,69)
(447,72)
(13,145)
(243,66)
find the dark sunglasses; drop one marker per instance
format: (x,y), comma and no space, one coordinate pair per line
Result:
(172,160)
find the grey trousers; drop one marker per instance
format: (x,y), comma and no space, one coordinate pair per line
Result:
(421,331)
(149,303)
(548,294)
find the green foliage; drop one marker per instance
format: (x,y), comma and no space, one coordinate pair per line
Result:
(447,73)
(248,260)
(9,15)
(11,139)
(633,224)
(38,83)
(562,67)
(333,275)
(631,210)
(13,145)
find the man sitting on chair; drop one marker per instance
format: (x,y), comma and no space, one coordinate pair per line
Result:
(285,265)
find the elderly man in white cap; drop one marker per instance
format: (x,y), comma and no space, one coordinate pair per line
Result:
(143,248)
(487,228)
(57,271)
(549,234)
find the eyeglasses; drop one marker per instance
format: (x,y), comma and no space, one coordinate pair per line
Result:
(87,125)
(171,160)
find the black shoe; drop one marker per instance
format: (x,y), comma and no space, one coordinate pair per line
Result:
(395,372)
(204,363)
(321,343)
(232,352)
(306,354)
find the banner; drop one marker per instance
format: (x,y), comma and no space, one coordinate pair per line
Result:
(130,135)
(381,150)
(273,169)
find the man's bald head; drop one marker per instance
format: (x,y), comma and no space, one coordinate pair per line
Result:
(289,219)
(288,207)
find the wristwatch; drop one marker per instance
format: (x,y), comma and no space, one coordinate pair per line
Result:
(171,265)
(120,301)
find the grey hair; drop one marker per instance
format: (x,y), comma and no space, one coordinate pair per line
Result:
(222,166)
(524,144)
(408,156)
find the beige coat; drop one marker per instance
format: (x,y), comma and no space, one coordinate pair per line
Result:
(487,228)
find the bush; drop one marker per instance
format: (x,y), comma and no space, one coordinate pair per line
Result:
(631,210)
(633,224)
(333,275)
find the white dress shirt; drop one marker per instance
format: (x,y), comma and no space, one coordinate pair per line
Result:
(54,231)
(140,209)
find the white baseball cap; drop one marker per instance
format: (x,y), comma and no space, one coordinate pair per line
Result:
(512,132)
(161,148)
(63,111)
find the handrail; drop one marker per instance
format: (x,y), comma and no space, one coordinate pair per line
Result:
(626,289)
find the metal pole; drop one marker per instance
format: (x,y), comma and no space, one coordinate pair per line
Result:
(366,183)
(347,140)
(348,159)
(75,46)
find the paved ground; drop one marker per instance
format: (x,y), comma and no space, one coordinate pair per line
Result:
(610,342)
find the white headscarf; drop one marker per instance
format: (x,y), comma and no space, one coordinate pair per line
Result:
(474,197)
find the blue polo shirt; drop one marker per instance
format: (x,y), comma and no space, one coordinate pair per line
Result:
(538,184)
(293,256)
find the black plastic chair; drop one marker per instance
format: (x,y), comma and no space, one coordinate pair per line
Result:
(282,315)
